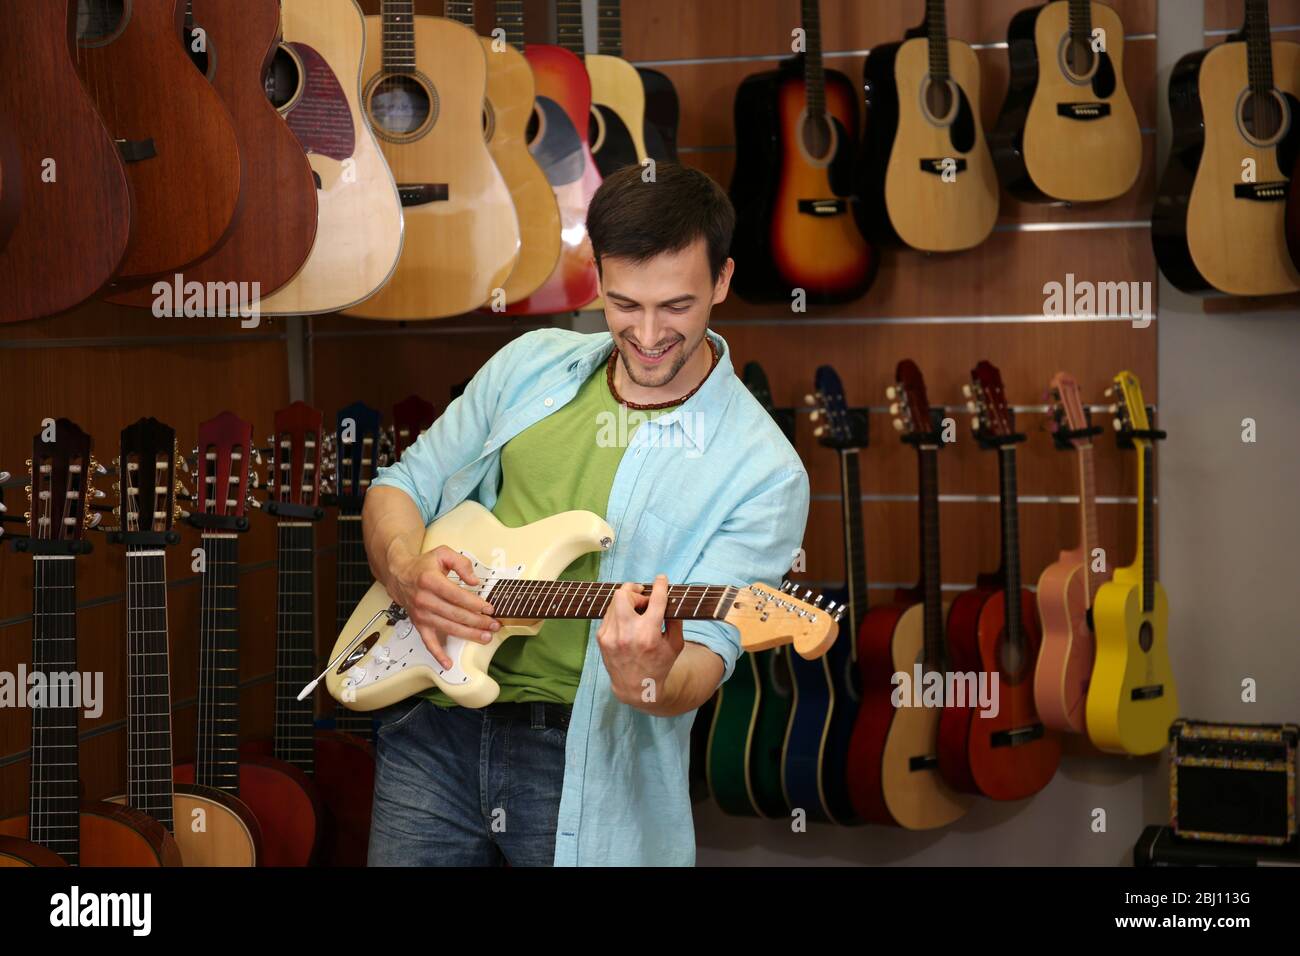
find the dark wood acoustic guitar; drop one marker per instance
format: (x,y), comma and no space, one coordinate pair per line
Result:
(174,133)
(63,190)
(232,43)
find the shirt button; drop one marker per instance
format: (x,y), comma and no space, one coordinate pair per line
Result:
(549,402)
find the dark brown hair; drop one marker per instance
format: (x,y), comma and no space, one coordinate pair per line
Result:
(637,220)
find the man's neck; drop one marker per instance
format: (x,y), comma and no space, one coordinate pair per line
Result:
(694,372)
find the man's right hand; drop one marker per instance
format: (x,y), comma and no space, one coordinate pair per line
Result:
(437,606)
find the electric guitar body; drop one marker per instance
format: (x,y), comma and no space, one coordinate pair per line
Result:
(315,83)
(175,134)
(276,225)
(63,192)
(1067,131)
(927,178)
(1220,218)
(425,82)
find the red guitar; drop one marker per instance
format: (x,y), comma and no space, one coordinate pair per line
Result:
(1002,751)
(285,802)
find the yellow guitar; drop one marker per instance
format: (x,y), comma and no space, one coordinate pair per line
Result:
(1132,700)
(380,659)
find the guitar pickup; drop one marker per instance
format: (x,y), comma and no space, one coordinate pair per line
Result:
(1018,736)
(421,194)
(936,166)
(823,207)
(1148,693)
(1261,192)
(1083,111)
(136,150)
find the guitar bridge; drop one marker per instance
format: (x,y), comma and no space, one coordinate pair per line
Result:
(1148,693)
(823,207)
(136,150)
(421,194)
(1083,111)
(937,166)
(1261,192)
(1017,736)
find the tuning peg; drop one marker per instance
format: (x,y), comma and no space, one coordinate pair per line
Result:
(1117,423)
(974,424)
(816,414)
(818,432)
(810,399)
(98,493)
(891,392)
(253,502)
(965,390)
(898,425)
(93,520)
(972,407)
(894,409)
(839,614)
(818,601)
(1110,390)
(1113,408)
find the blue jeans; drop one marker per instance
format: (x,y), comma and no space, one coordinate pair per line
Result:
(462,787)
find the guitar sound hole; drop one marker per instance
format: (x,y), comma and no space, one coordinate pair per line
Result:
(99,21)
(534,126)
(1011,658)
(283,77)
(818,137)
(1146,637)
(939,100)
(400,105)
(1079,58)
(1262,115)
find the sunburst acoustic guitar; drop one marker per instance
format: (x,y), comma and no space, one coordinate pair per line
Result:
(1132,699)
(425,82)
(1067,131)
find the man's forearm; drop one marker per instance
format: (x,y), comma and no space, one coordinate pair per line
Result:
(392,529)
(693,679)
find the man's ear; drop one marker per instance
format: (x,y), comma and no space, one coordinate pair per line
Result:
(723,285)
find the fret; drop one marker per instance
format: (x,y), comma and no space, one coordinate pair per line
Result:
(1089,533)
(510,17)
(854,540)
(149,742)
(609,28)
(931,581)
(814,69)
(1259,46)
(462,11)
(1081,22)
(398,21)
(936,21)
(1010,544)
(1146,480)
(569,31)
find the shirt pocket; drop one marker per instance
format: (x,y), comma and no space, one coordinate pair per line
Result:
(662,546)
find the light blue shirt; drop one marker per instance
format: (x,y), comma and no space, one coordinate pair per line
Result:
(709,493)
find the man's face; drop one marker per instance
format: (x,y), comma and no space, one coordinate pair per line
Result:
(658,310)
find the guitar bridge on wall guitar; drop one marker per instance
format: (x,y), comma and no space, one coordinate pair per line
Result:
(823,207)
(1083,111)
(939,166)
(1262,192)
(421,194)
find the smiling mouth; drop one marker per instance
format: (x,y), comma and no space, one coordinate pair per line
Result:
(652,356)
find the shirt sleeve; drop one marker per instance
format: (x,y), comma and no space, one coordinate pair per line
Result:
(757,541)
(454,440)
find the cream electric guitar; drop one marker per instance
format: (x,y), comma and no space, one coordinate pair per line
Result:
(380,659)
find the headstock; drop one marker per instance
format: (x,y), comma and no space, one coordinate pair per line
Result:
(357,449)
(296,447)
(411,416)
(225,471)
(837,427)
(1067,411)
(987,401)
(1129,408)
(910,405)
(768,618)
(146,478)
(61,473)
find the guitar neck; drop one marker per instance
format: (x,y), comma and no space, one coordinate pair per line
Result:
(54,819)
(931,580)
(568,26)
(1010,541)
(295,645)
(1081,21)
(217,755)
(530,599)
(1259,46)
(398,17)
(1146,524)
(936,22)
(855,554)
(1088,533)
(510,17)
(461,11)
(814,68)
(354,578)
(149,740)
(609,22)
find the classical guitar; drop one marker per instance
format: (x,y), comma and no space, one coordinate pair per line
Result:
(1068,587)
(893,768)
(211,827)
(796,132)
(1132,700)
(1067,131)
(826,693)
(561,147)
(617,125)
(172,129)
(738,737)
(411,416)
(315,82)
(926,179)
(380,659)
(425,82)
(1219,222)
(507,111)
(58,822)
(1004,752)
(65,196)
(340,765)
(232,42)
(284,801)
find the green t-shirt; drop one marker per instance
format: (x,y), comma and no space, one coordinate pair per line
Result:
(564,462)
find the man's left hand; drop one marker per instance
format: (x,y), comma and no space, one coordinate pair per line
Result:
(638,651)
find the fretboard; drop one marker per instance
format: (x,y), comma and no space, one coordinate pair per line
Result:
(814,68)
(149,716)
(531,599)
(462,11)
(568,26)
(610,24)
(352,581)
(1146,524)
(399,35)
(217,755)
(295,644)
(510,17)
(1259,46)
(855,551)
(936,21)
(53,819)
(931,580)
(1010,509)
(1088,533)
(1081,21)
